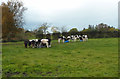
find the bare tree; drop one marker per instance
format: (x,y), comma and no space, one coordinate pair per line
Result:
(63,29)
(44,28)
(17,9)
(55,29)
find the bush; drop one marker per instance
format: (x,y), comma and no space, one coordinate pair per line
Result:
(15,37)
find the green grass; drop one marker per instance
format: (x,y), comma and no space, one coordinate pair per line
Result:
(95,58)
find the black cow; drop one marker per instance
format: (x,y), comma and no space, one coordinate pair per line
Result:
(26,43)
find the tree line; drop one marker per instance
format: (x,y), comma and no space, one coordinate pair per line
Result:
(93,31)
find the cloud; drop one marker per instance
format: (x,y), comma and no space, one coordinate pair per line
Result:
(72,13)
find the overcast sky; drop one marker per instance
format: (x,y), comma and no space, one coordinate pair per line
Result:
(70,13)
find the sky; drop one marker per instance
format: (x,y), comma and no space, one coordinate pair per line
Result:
(71,13)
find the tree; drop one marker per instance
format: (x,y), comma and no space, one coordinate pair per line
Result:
(90,27)
(54,29)
(12,18)
(62,29)
(100,31)
(83,28)
(17,9)
(43,28)
(40,31)
(8,26)
(74,30)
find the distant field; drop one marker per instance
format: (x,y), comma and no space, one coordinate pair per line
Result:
(95,58)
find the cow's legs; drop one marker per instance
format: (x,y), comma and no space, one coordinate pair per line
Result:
(40,45)
(25,45)
(47,44)
(63,40)
(59,40)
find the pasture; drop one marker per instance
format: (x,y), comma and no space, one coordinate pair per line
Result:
(95,58)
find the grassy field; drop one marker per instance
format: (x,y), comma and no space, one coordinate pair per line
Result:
(95,58)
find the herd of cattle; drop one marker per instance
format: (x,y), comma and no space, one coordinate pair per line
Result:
(73,38)
(40,43)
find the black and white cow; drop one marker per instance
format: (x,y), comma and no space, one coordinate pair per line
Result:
(34,43)
(45,42)
(77,37)
(73,38)
(68,38)
(81,38)
(85,38)
(60,38)
(37,43)
(63,38)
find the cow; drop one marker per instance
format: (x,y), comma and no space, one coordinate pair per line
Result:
(73,38)
(85,38)
(77,37)
(81,38)
(68,38)
(34,43)
(29,43)
(61,38)
(46,42)
(37,43)
(26,43)
(64,38)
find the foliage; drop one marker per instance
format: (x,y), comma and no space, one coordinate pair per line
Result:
(73,30)
(55,35)
(55,29)
(43,28)
(100,31)
(8,26)
(42,31)
(12,19)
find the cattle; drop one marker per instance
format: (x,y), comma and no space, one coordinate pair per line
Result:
(34,42)
(68,38)
(37,43)
(74,38)
(46,42)
(59,39)
(86,38)
(81,38)
(63,38)
(29,43)
(26,43)
(77,37)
